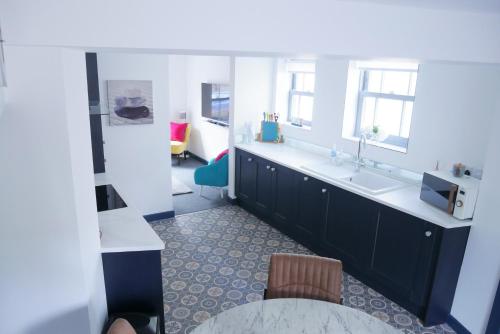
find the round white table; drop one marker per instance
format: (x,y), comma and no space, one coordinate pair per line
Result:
(293,316)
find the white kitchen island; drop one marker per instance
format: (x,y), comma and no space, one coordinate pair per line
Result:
(131,256)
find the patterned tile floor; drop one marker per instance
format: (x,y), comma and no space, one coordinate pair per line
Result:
(218,258)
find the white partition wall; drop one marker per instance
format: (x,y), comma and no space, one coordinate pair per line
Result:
(207,139)
(51,271)
(357,28)
(138,156)
(481,267)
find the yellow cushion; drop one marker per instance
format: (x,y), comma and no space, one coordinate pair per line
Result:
(177,147)
(176,143)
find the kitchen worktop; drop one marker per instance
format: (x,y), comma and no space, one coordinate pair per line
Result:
(125,229)
(406,199)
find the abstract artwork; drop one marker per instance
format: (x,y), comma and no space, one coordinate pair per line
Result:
(130,102)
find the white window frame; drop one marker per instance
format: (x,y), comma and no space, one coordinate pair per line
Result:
(363,93)
(294,92)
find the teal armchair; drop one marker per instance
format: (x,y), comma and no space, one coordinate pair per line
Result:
(215,174)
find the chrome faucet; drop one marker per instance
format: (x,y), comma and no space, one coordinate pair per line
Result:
(359,159)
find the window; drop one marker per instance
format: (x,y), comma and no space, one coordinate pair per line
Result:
(386,93)
(301,76)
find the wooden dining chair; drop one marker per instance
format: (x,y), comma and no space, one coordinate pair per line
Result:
(304,276)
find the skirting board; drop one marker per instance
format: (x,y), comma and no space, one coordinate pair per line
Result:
(195,157)
(233,201)
(159,216)
(456,325)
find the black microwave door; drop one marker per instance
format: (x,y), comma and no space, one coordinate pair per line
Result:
(439,192)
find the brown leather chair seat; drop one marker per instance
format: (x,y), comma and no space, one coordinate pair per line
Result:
(304,276)
(121,326)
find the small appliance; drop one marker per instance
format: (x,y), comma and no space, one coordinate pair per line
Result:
(455,195)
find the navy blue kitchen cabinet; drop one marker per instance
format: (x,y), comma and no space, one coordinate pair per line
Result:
(311,209)
(349,232)
(284,195)
(246,178)
(413,262)
(264,187)
(267,190)
(403,256)
(133,283)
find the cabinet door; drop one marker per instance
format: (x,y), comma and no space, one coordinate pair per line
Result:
(246,176)
(311,206)
(263,193)
(403,254)
(284,196)
(350,227)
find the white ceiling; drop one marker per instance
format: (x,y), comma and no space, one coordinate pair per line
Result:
(492,6)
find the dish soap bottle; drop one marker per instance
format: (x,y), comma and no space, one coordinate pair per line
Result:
(333,153)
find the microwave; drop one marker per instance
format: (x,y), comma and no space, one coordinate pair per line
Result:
(455,195)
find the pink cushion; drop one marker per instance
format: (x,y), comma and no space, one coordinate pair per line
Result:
(178,131)
(222,154)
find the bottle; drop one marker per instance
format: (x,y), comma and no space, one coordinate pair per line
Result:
(333,153)
(339,159)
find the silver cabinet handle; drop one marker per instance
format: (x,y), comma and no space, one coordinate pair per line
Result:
(249,159)
(428,233)
(323,190)
(306,178)
(273,169)
(268,166)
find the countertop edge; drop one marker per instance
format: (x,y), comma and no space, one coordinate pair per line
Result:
(156,242)
(130,249)
(454,223)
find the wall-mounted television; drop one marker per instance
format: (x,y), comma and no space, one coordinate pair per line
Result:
(215,102)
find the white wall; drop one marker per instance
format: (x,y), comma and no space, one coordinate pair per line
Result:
(452,115)
(253,83)
(287,26)
(451,119)
(51,274)
(3,99)
(253,91)
(207,139)
(177,76)
(481,267)
(138,156)
(231,187)
(329,97)
(75,85)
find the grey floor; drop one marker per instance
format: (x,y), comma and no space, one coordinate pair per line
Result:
(187,203)
(217,259)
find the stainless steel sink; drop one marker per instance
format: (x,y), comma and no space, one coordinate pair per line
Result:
(372,183)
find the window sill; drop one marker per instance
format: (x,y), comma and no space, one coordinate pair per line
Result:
(379,144)
(303,127)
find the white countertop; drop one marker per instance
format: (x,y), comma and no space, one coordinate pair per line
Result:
(406,199)
(124,229)
(291,316)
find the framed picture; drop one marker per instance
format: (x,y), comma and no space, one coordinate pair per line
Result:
(130,102)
